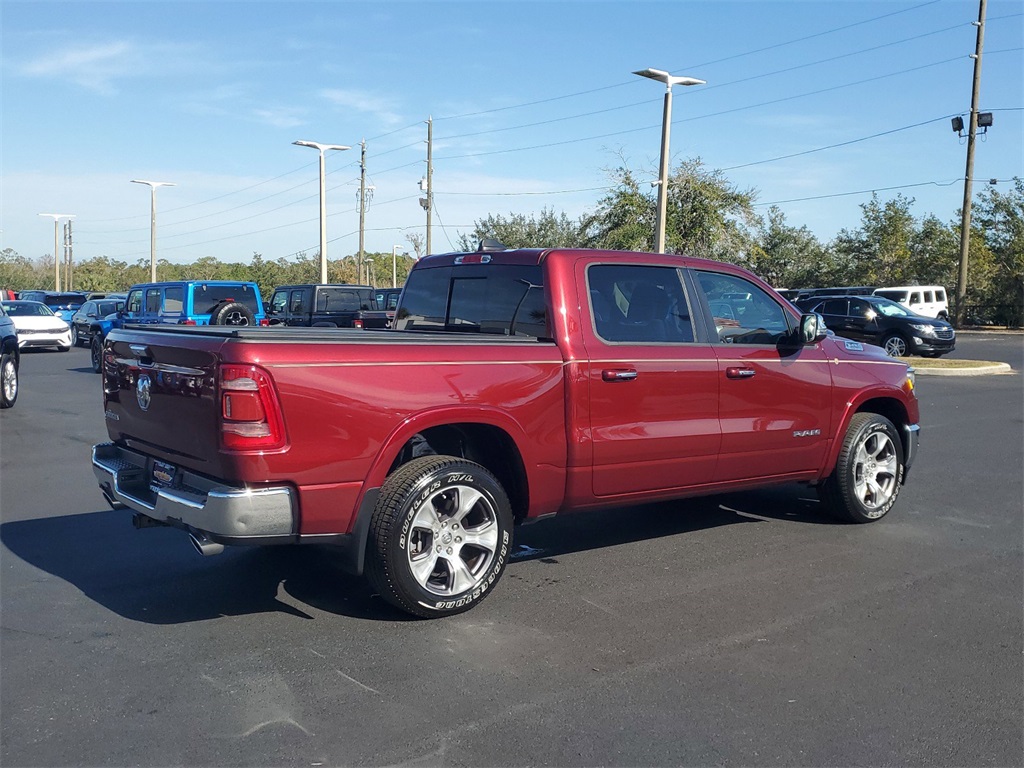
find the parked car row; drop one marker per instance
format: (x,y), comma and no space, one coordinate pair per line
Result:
(883,322)
(927,300)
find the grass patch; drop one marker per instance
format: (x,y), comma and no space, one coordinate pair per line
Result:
(945,362)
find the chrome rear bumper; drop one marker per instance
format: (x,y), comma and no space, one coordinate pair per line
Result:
(226,513)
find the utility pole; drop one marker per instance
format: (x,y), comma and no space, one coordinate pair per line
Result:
(965,224)
(430,177)
(56,237)
(68,257)
(362,208)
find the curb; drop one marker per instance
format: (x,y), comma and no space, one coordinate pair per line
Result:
(981,370)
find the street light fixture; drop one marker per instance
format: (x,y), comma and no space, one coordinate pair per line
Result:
(323,200)
(368,261)
(56,261)
(152,221)
(394,264)
(666,124)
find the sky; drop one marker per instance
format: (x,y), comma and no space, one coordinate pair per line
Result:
(811,105)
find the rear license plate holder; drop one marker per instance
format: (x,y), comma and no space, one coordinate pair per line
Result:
(162,476)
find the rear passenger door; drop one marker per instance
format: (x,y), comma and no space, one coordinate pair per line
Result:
(775,397)
(653,381)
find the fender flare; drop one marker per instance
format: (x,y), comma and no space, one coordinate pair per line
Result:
(892,394)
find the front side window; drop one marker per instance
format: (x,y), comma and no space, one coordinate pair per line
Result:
(636,303)
(134,302)
(278,302)
(755,320)
(861,310)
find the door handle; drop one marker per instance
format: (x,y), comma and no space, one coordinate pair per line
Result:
(618,374)
(739,373)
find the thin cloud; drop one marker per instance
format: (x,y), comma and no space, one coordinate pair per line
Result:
(363,102)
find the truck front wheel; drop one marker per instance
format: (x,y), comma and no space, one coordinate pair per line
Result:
(869,472)
(440,536)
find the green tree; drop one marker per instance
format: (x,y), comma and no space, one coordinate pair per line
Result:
(787,256)
(878,252)
(999,218)
(546,230)
(705,215)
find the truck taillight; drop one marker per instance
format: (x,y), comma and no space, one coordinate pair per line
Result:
(357,323)
(186,322)
(264,322)
(250,413)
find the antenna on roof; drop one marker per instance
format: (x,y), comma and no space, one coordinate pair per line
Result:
(490,244)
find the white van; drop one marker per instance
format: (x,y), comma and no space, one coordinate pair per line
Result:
(927,300)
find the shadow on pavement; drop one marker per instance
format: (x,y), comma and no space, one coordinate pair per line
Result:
(155,576)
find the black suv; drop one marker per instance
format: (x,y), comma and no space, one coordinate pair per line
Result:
(320,306)
(882,322)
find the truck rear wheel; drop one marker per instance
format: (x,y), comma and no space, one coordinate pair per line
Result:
(440,536)
(869,472)
(8,380)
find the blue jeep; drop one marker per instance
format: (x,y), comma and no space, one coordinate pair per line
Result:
(182,302)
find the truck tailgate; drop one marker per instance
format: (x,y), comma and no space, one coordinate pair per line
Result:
(160,394)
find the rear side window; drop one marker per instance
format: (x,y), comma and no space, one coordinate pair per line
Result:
(928,297)
(500,299)
(152,300)
(940,295)
(174,299)
(635,303)
(344,299)
(205,298)
(834,307)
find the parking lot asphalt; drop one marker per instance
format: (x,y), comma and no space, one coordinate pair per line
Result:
(737,629)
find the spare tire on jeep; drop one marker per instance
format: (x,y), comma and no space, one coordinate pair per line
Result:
(232,313)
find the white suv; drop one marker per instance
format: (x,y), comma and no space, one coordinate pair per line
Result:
(927,300)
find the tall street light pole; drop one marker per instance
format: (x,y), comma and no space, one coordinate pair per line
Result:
(394,264)
(323,200)
(666,126)
(56,261)
(152,221)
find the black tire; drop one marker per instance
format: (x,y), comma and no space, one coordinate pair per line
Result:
(8,380)
(895,345)
(232,313)
(75,340)
(417,559)
(869,471)
(96,354)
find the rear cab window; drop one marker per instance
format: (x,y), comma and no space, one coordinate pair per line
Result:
(499,299)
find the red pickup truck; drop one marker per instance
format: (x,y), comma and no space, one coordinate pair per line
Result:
(516,384)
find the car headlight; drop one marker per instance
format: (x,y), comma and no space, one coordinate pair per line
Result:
(925,330)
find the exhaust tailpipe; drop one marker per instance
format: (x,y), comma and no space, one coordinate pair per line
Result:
(205,546)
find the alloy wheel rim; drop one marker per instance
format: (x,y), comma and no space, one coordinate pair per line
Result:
(874,472)
(10,380)
(453,538)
